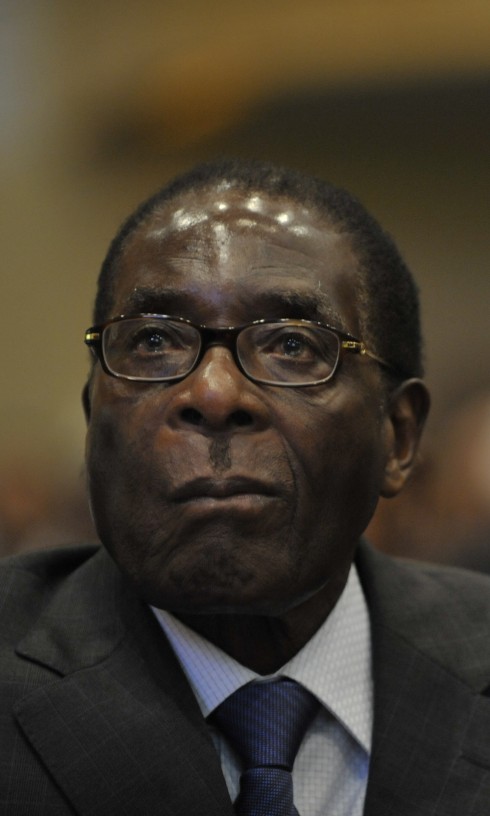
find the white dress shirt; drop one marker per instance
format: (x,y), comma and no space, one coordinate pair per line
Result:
(331,767)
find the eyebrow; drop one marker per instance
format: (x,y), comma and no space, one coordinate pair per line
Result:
(303,305)
(291,303)
(154,300)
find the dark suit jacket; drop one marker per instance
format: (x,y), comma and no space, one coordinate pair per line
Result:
(96,717)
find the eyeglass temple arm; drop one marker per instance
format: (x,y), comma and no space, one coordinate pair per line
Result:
(358,347)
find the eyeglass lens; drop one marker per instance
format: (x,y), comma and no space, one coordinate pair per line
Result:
(159,349)
(287,352)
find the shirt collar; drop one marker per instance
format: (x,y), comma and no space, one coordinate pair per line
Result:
(335,664)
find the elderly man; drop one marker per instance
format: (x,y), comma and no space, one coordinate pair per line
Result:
(255,388)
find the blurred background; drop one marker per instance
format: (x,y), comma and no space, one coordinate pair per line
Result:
(101,103)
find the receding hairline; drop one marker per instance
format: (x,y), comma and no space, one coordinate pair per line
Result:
(164,206)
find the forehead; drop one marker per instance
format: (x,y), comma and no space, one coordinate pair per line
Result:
(209,247)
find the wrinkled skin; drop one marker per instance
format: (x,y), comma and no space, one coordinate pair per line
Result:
(235,505)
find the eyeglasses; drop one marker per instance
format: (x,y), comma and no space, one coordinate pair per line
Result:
(162,348)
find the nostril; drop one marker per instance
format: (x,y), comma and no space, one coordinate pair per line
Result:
(192,416)
(236,419)
(240,419)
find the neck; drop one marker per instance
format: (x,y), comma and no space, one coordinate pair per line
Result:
(263,643)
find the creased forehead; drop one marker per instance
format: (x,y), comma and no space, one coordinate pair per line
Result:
(270,255)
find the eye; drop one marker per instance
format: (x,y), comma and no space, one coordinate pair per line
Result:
(162,338)
(289,352)
(147,348)
(294,345)
(152,339)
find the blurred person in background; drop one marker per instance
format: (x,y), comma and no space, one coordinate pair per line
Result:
(234,645)
(443,515)
(39,510)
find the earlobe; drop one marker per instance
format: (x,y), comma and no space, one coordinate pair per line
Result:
(406,414)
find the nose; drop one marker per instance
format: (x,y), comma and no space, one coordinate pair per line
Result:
(218,397)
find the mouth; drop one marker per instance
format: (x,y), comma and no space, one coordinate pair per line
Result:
(235,488)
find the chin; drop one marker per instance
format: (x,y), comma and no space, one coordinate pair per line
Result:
(213,574)
(206,592)
(207,600)
(249,599)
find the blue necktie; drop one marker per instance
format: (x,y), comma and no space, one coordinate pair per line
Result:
(265,723)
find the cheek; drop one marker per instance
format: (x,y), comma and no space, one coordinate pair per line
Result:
(117,429)
(125,487)
(336,451)
(123,419)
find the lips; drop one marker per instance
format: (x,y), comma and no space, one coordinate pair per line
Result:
(212,488)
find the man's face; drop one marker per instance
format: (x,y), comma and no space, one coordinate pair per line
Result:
(215,493)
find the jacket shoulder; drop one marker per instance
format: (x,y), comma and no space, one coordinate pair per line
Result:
(27,581)
(441,611)
(55,561)
(424,584)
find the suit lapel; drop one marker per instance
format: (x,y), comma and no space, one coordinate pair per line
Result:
(120,730)
(431,754)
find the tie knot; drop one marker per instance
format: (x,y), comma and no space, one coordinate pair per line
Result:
(265,722)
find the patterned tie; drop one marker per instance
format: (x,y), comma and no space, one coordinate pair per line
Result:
(265,723)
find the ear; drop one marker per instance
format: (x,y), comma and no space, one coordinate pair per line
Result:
(407,411)
(86,401)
